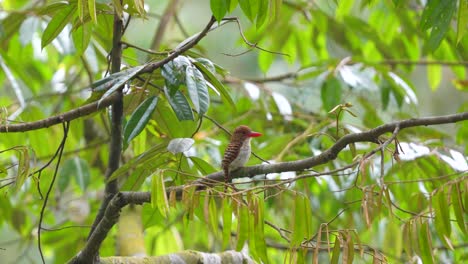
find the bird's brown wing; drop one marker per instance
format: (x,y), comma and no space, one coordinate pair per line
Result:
(232,151)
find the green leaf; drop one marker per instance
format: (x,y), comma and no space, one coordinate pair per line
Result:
(263,7)
(92,10)
(219,8)
(208,64)
(434,75)
(139,119)
(213,215)
(265,59)
(227,222)
(23,166)
(216,83)
(78,169)
(57,24)
(174,73)
(301,228)
(259,232)
(116,80)
(462,20)
(336,251)
(204,167)
(437,15)
(425,243)
(393,240)
(148,158)
(81,5)
(158,193)
(81,38)
(250,8)
(385,88)
(330,93)
(180,105)
(242,226)
(198,92)
(442,216)
(179,145)
(458,206)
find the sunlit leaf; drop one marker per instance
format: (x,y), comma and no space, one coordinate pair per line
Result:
(219,8)
(57,24)
(462,20)
(81,37)
(92,10)
(458,206)
(250,8)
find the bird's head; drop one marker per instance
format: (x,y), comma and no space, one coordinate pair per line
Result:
(244,132)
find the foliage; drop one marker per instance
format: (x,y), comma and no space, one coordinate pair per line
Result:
(316,72)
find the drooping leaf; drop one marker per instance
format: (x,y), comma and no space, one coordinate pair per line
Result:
(158,193)
(216,83)
(23,166)
(139,119)
(197,90)
(204,167)
(219,8)
(425,243)
(336,251)
(263,8)
(437,15)
(462,20)
(434,76)
(242,226)
(81,37)
(92,10)
(180,105)
(250,8)
(330,93)
(57,24)
(227,222)
(458,206)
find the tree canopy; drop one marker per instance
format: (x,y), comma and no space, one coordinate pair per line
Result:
(114,118)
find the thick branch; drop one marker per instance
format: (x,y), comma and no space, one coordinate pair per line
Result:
(328,155)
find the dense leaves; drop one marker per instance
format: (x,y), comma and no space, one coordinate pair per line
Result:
(304,74)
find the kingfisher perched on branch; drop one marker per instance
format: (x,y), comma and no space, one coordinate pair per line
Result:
(238,151)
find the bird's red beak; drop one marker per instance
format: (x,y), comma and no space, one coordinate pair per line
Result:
(254,134)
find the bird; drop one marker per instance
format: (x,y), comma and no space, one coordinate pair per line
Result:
(238,151)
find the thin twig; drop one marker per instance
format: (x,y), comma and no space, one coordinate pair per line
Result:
(66,126)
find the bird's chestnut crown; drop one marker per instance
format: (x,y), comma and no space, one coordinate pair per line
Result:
(246,131)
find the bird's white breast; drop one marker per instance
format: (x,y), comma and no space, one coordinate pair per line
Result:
(243,157)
